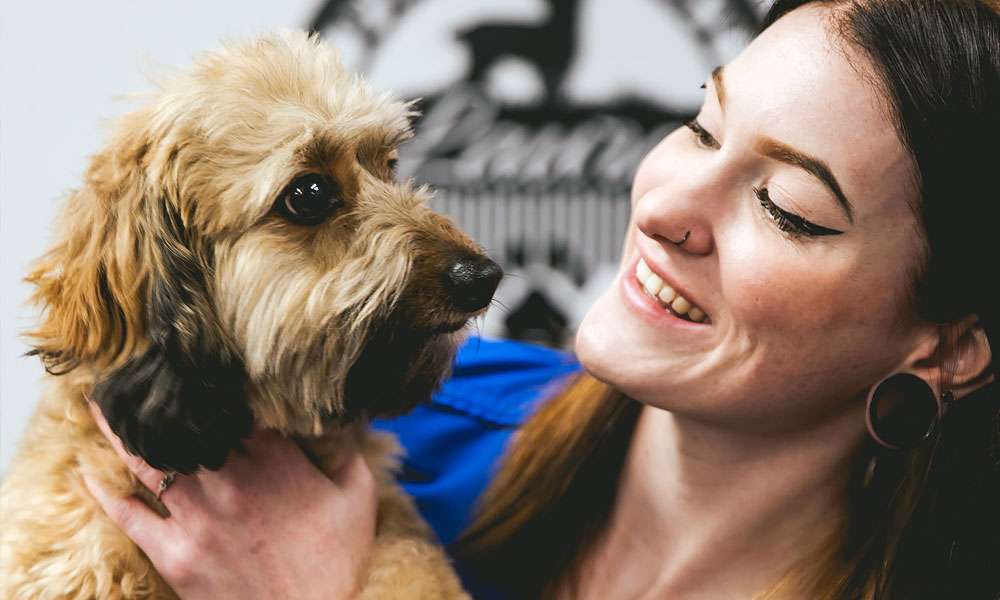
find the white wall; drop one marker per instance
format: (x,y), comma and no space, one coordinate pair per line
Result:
(62,64)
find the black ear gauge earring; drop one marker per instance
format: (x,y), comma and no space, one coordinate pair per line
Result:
(903,410)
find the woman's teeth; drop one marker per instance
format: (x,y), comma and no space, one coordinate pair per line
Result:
(668,297)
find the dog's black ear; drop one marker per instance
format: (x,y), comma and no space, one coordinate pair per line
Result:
(180,404)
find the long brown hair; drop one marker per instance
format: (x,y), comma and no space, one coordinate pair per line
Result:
(921,524)
(555,489)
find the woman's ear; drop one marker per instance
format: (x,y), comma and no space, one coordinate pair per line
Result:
(971,360)
(962,351)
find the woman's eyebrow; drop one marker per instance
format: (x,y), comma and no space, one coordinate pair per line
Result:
(781,152)
(772,148)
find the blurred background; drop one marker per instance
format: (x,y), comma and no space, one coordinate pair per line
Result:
(535,114)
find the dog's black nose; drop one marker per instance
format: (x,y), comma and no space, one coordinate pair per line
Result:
(471,281)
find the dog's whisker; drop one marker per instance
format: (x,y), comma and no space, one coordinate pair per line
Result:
(500,304)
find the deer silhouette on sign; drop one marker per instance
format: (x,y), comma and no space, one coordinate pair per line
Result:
(548,46)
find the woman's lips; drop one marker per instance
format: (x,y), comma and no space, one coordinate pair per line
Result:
(670,298)
(652,308)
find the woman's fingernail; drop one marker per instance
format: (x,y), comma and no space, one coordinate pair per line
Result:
(95,488)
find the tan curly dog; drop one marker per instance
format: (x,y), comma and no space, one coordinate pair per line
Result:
(240,254)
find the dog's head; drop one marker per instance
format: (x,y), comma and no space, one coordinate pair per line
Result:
(242,251)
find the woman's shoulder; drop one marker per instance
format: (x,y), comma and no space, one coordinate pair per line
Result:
(453,442)
(501,381)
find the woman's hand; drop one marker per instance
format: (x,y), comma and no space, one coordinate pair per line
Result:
(268,524)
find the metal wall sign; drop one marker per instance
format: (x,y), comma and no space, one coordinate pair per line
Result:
(535,115)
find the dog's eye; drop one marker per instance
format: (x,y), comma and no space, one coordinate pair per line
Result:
(391,160)
(309,199)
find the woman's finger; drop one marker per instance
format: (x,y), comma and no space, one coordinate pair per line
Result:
(149,476)
(354,473)
(132,516)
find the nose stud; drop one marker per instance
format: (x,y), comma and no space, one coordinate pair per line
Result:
(684,239)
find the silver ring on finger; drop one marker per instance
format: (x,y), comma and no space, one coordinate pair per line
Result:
(166,481)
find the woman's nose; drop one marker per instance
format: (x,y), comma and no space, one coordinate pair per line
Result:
(675,218)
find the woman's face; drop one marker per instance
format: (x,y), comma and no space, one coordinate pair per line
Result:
(805,297)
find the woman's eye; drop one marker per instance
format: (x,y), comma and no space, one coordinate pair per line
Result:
(309,199)
(790,222)
(704,137)
(787,222)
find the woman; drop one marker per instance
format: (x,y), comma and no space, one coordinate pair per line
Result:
(827,219)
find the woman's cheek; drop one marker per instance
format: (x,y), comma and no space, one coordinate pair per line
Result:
(768,296)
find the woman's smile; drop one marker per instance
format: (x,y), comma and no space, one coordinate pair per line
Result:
(657,302)
(668,295)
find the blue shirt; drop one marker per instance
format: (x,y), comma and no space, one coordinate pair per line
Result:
(454,443)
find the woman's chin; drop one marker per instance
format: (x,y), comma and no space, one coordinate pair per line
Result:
(622,350)
(610,345)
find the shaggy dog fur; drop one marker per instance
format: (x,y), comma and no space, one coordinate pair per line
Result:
(241,253)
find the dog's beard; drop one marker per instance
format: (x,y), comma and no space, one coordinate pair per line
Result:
(328,348)
(399,368)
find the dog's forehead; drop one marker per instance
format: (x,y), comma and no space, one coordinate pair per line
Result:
(289,82)
(267,111)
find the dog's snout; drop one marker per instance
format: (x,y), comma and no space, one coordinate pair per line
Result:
(471,281)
